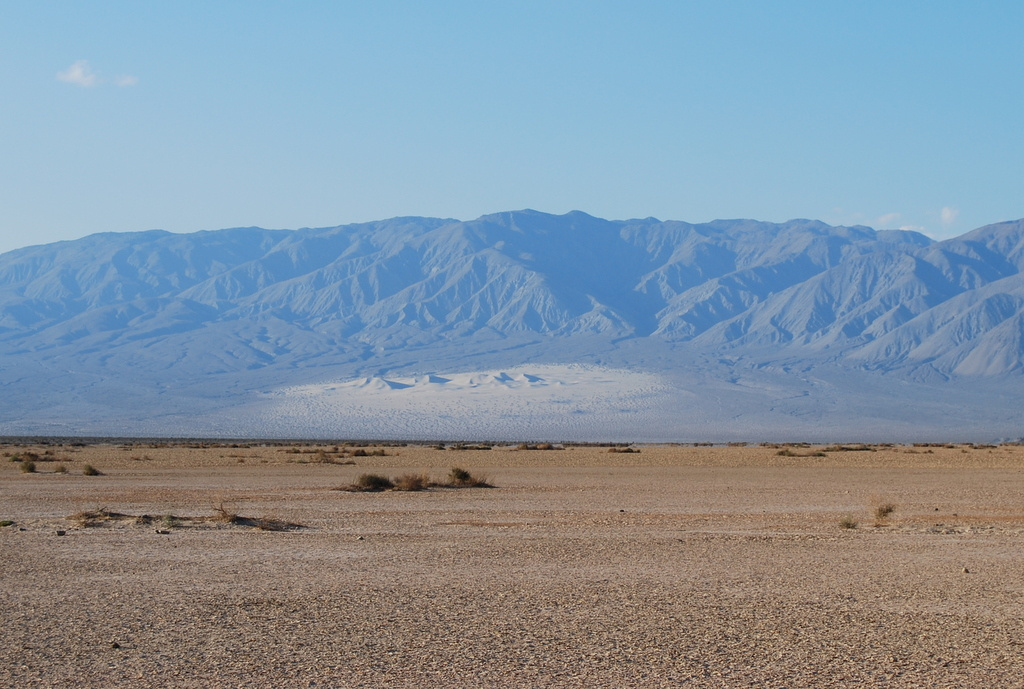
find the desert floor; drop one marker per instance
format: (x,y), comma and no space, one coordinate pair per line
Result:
(702,566)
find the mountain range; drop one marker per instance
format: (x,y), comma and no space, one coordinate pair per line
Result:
(795,329)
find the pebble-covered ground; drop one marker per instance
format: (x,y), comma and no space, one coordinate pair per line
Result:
(244,566)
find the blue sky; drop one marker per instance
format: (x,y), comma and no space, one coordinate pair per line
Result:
(123,116)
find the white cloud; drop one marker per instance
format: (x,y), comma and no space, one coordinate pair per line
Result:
(80,74)
(888,220)
(914,228)
(949,215)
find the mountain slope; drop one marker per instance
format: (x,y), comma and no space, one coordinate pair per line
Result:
(215,316)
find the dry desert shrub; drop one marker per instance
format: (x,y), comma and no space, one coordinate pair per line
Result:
(28,466)
(411,482)
(98,516)
(460,478)
(90,470)
(268,524)
(333,457)
(227,516)
(787,452)
(376,483)
(371,483)
(883,511)
(360,452)
(848,522)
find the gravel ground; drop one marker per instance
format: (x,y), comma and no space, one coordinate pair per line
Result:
(671,566)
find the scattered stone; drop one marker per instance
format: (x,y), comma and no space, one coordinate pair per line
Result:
(61,533)
(114,644)
(163,532)
(966,571)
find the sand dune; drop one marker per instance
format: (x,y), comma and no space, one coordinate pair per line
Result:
(553,401)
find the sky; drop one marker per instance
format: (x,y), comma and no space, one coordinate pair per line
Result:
(186,116)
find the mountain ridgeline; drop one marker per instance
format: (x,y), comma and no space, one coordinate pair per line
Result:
(800,291)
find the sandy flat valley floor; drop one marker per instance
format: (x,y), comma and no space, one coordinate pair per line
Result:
(671,566)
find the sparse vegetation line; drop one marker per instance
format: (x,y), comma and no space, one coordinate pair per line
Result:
(376,483)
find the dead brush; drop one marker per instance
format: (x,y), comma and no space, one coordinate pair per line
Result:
(334,456)
(787,452)
(269,524)
(226,516)
(411,482)
(460,478)
(376,483)
(883,512)
(98,517)
(369,483)
(360,452)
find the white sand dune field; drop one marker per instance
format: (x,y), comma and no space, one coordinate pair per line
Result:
(535,402)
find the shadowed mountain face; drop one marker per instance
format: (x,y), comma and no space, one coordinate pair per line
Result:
(252,309)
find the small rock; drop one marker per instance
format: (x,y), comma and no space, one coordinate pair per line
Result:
(163,531)
(360,538)
(114,644)
(966,571)
(61,533)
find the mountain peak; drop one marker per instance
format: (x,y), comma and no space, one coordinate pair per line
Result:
(244,305)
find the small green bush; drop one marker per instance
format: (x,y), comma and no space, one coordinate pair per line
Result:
(28,466)
(90,470)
